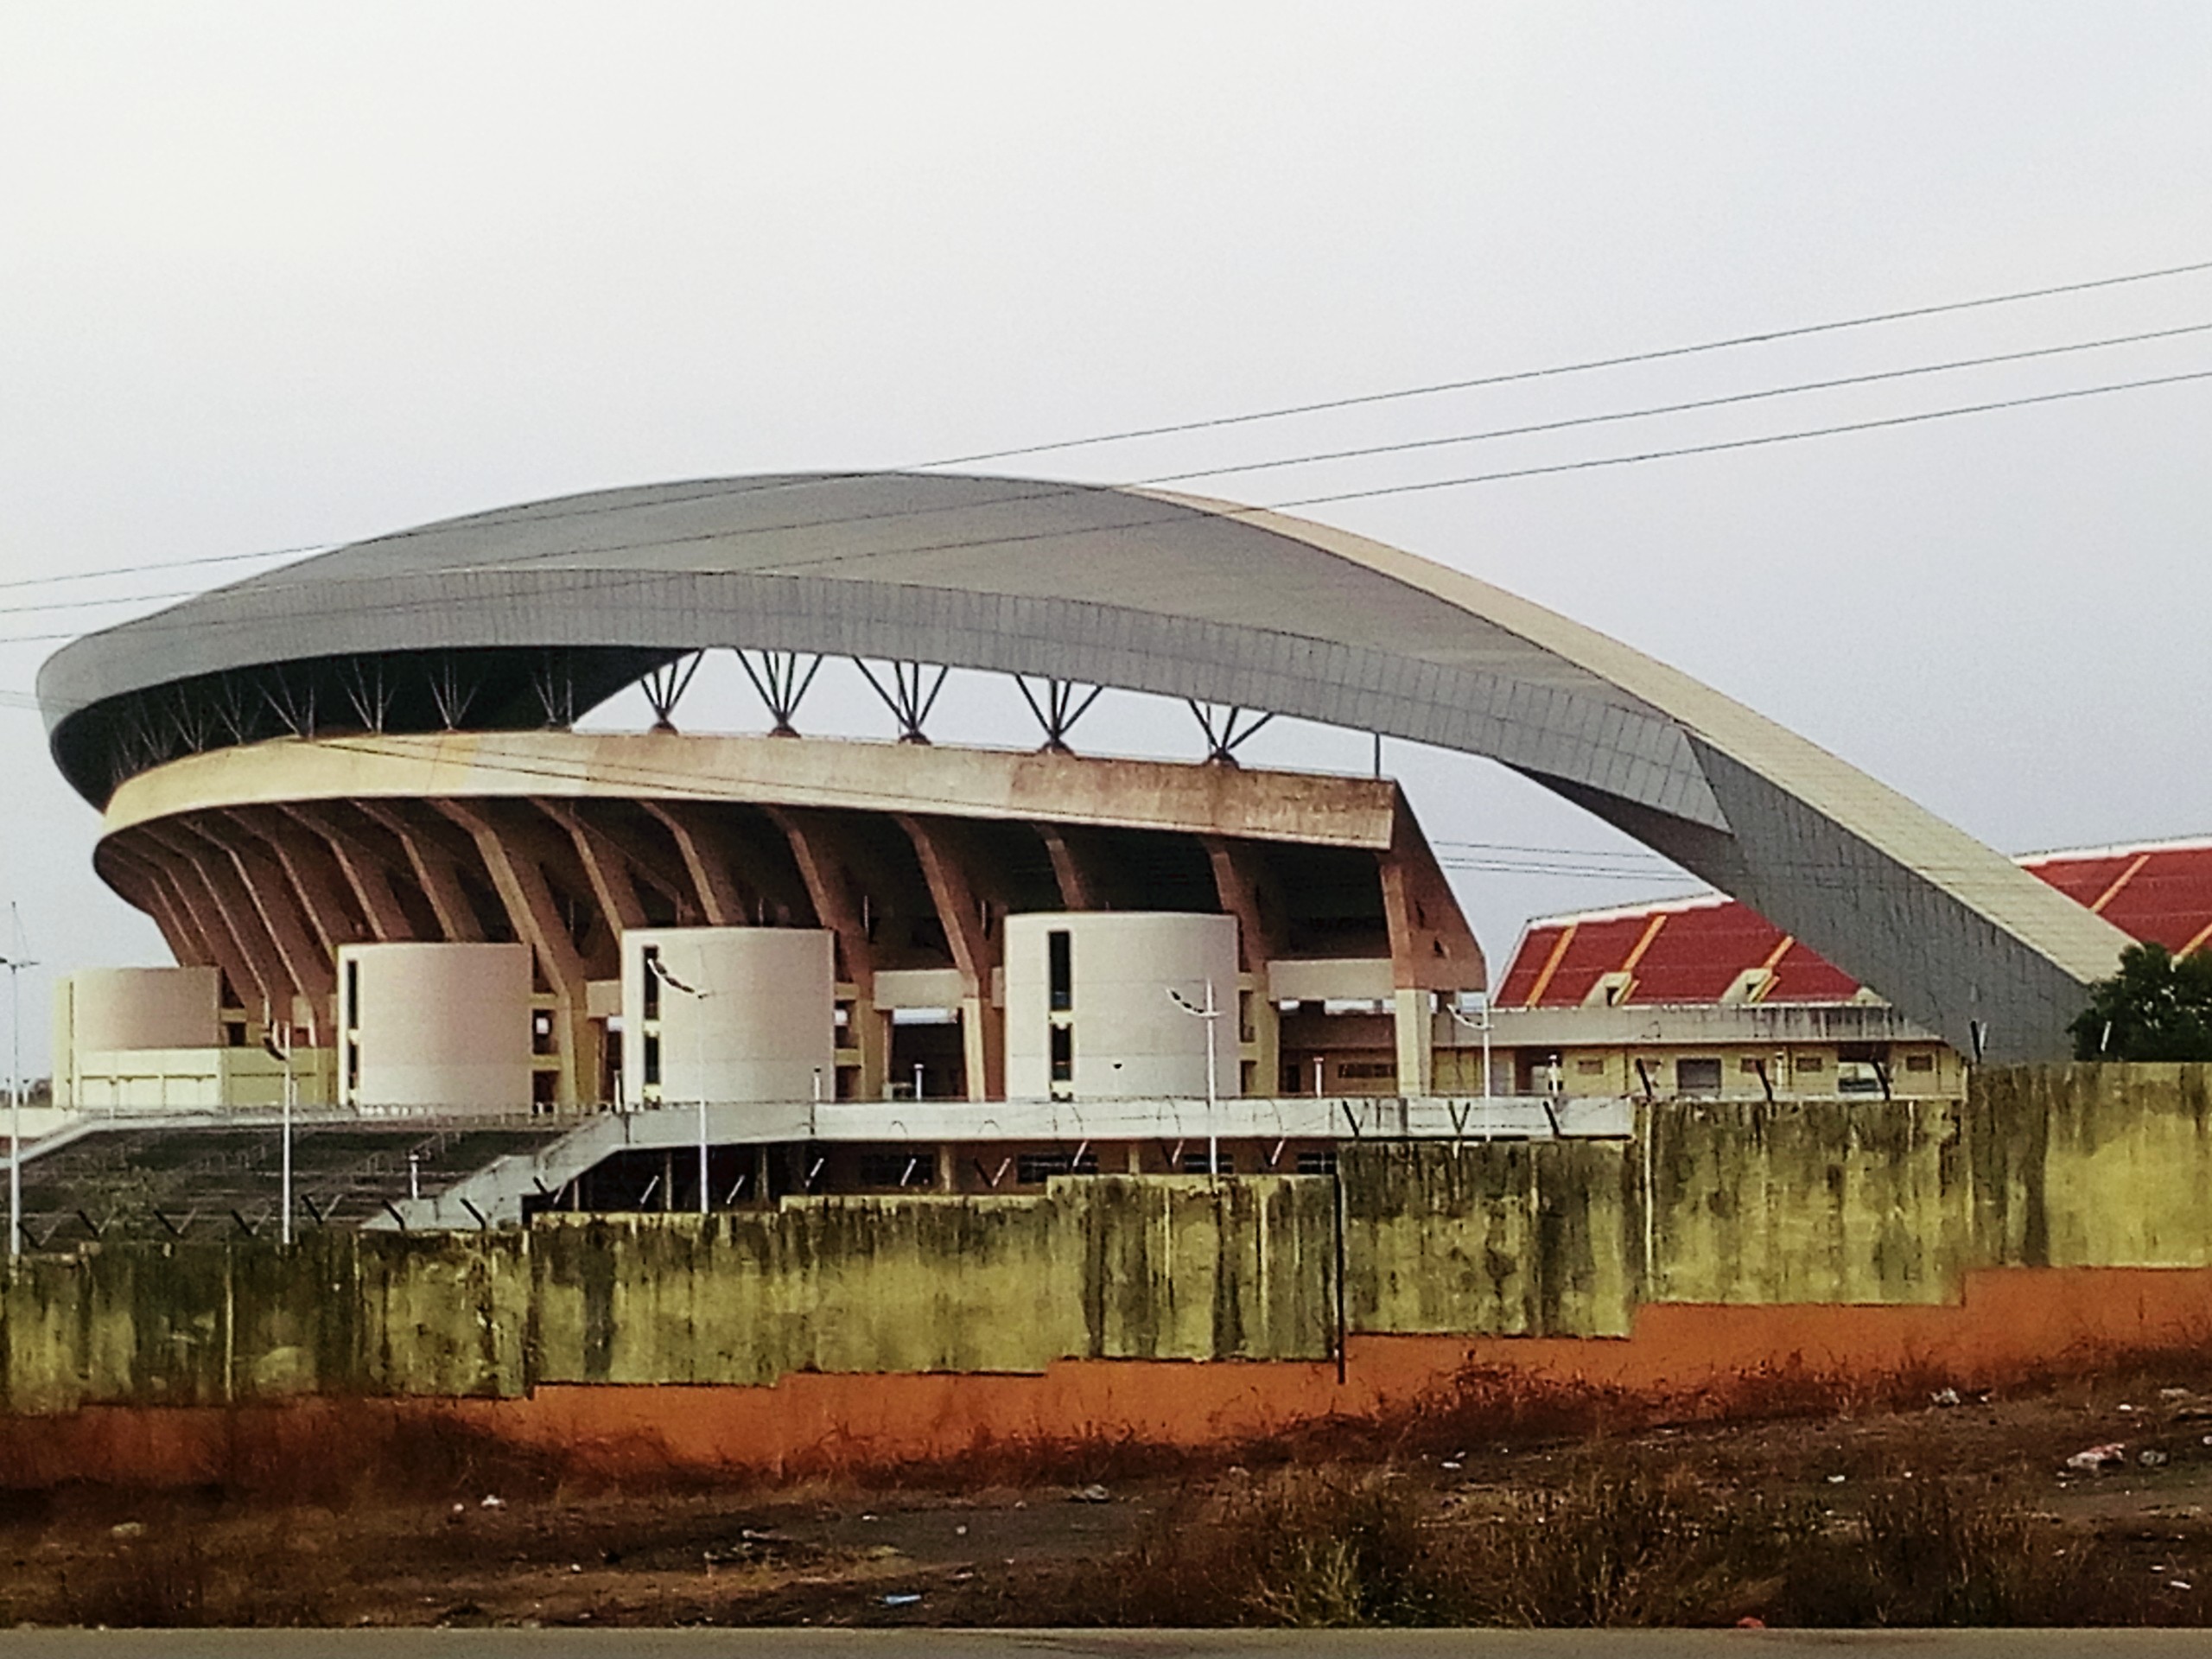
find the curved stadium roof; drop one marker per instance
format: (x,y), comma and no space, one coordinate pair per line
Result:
(527,616)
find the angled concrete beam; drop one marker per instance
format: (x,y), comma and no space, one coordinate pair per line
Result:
(312,969)
(813,847)
(149,890)
(720,899)
(1070,872)
(436,872)
(1432,947)
(1247,891)
(603,864)
(204,879)
(316,883)
(366,869)
(957,888)
(522,888)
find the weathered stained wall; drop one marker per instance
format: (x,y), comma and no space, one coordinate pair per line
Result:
(2090,1166)
(1714,1208)
(1808,1201)
(1506,1238)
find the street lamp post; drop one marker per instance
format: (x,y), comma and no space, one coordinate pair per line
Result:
(1211,1015)
(698,1059)
(283,1051)
(1482,1025)
(14,965)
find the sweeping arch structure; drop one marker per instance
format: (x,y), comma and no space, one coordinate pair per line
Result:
(528,616)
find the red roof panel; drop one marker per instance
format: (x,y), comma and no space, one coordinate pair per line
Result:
(1701,948)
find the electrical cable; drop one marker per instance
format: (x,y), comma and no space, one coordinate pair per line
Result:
(1602,418)
(599,581)
(1284,412)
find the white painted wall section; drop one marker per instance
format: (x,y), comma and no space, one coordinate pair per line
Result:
(443,1025)
(758,1024)
(1125,1036)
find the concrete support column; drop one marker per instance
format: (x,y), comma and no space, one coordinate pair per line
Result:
(1413,1026)
(975,952)
(870,1030)
(1246,887)
(831,898)
(1069,872)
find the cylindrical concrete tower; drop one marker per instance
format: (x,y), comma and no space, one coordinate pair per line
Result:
(435,1025)
(1088,1009)
(731,1013)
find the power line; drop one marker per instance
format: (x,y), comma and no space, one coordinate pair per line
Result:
(600,580)
(167,564)
(1722,401)
(1279,412)
(1766,337)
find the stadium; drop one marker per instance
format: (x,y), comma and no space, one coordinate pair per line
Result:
(496,964)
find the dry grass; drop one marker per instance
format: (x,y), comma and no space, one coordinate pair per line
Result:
(1625,1540)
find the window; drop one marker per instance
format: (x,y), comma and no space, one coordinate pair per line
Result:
(1366,1070)
(1859,1067)
(1035,1168)
(1698,1076)
(1060,970)
(653,1059)
(352,1065)
(1063,1053)
(1920,1062)
(650,960)
(899,1167)
(1322,1160)
(1808,1062)
(1194,1163)
(1749,1068)
(1590,1068)
(353,1014)
(540,1032)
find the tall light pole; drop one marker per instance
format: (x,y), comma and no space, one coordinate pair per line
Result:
(283,1051)
(1482,1025)
(698,1058)
(14,965)
(1211,1015)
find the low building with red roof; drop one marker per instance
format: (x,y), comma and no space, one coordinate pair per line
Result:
(1703,995)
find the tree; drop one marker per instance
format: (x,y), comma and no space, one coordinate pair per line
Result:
(2155,1007)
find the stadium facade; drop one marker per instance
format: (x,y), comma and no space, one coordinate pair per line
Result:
(352,795)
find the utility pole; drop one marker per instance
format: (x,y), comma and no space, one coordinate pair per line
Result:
(14,965)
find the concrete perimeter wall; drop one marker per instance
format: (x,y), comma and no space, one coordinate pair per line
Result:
(1851,1210)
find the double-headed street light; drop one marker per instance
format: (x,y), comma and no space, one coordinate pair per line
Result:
(698,1056)
(1482,1025)
(1211,1015)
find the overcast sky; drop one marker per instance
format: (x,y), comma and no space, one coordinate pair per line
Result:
(277,276)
